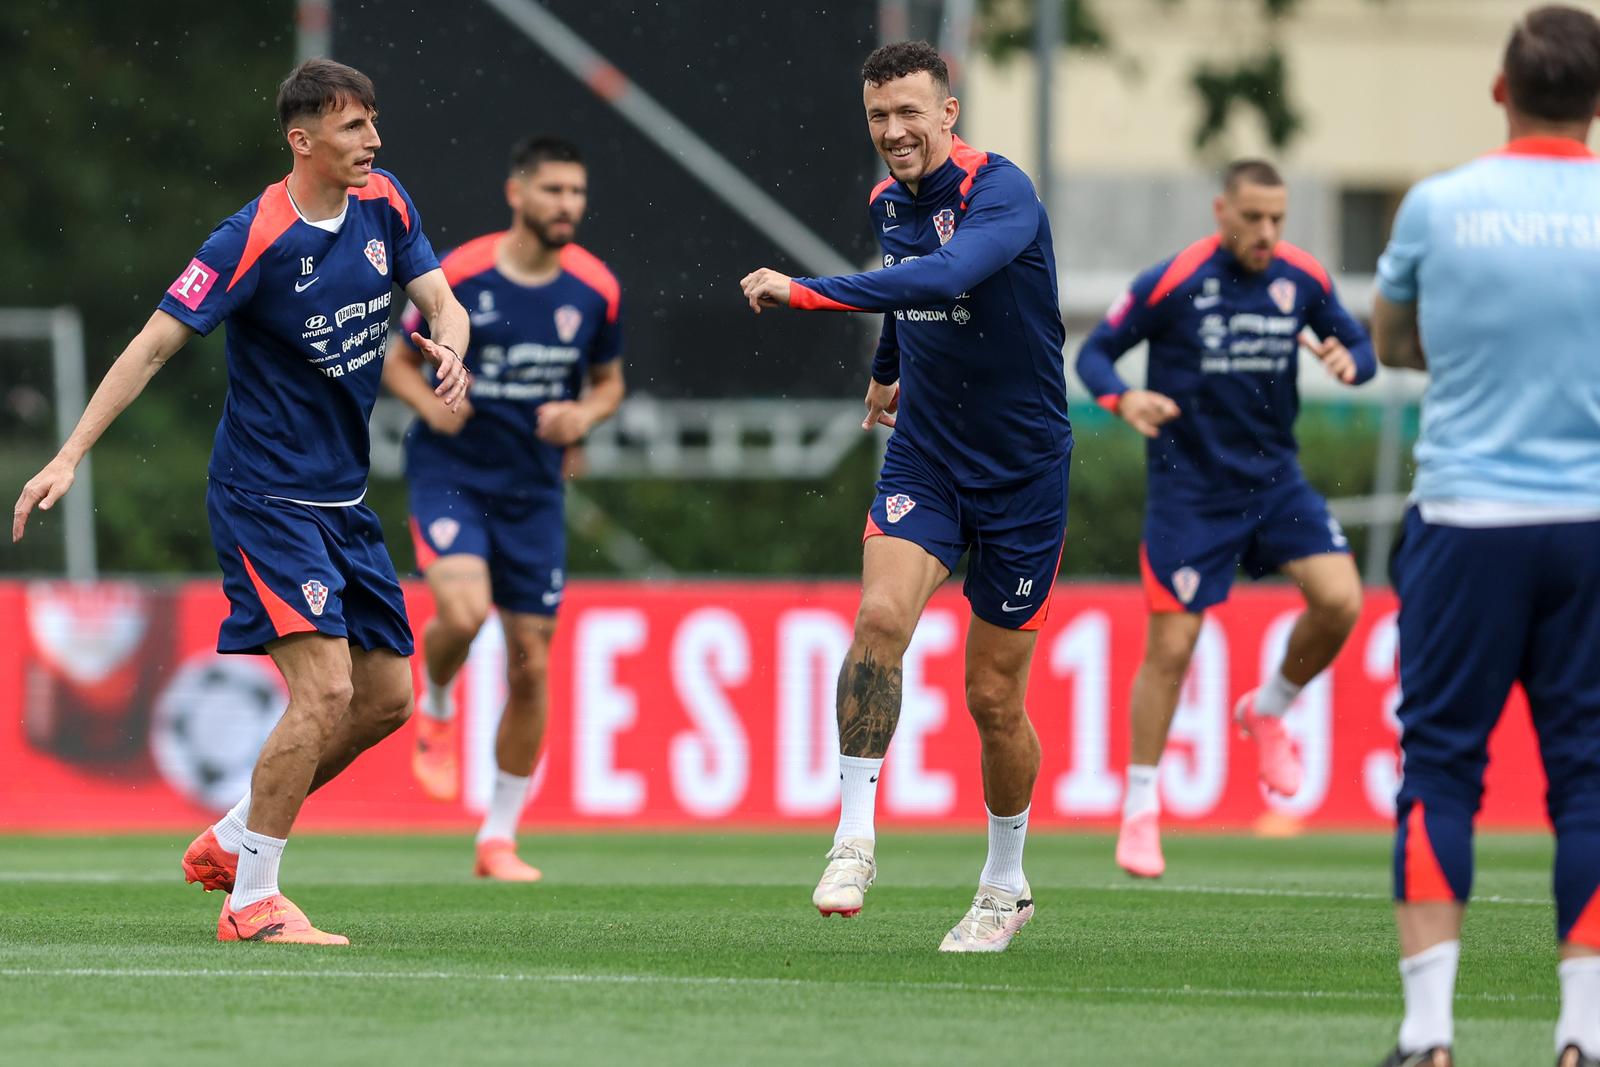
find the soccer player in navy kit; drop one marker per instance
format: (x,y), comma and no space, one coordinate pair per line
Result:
(970,375)
(1223,320)
(487,511)
(1488,283)
(303,276)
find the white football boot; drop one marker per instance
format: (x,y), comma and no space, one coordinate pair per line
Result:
(991,922)
(849,873)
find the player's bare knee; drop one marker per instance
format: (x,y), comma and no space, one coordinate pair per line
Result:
(882,627)
(994,699)
(525,680)
(1337,609)
(1167,657)
(324,696)
(462,619)
(385,712)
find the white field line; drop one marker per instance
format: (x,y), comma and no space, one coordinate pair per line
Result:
(150,877)
(1312,894)
(739,983)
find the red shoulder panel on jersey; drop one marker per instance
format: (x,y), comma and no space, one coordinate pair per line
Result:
(587,268)
(275,213)
(878,190)
(474,257)
(1299,257)
(968,159)
(379,187)
(1182,267)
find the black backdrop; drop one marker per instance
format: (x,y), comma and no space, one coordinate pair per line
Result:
(773,88)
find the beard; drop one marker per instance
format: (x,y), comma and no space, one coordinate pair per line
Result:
(544,236)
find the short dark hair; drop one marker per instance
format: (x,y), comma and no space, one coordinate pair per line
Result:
(1254,171)
(528,153)
(904,58)
(1552,64)
(318,86)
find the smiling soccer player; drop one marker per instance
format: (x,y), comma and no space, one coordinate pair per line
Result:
(970,375)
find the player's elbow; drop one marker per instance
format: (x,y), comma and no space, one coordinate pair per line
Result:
(1399,352)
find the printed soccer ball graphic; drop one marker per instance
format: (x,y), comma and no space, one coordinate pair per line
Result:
(209,725)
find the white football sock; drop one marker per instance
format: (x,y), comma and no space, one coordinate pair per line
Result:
(1275,695)
(1003,869)
(230,828)
(506,800)
(438,702)
(1142,794)
(1429,979)
(858,797)
(258,868)
(1580,1005)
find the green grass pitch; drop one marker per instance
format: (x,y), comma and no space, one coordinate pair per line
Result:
(704,949)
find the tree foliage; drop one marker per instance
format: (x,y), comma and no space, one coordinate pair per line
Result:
(1256,81)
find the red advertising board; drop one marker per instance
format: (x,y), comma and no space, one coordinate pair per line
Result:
(688,703)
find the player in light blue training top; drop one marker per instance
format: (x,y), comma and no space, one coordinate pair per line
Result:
(1491,283)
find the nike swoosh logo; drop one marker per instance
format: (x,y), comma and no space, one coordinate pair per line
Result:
(1019,826)
(874,778)
(479,318)
(302,288)
(247,848)
(1007,606)
(896,226)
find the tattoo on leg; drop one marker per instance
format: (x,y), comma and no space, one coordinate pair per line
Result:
(868,706)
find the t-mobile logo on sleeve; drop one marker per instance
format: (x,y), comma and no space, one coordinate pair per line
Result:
(193,285)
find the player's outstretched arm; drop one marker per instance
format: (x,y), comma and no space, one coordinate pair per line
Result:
(150,349)
(450,329)
(1395,334)
(765,288)
(1001,221)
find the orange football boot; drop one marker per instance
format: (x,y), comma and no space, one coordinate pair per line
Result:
(433,759)
(497,859)
(1139,846)
(273,919)
(1277,753)
(207,862)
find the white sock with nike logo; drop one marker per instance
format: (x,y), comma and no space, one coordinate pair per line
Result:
(1003,869)
(230,828)
(258,868)
(858,797)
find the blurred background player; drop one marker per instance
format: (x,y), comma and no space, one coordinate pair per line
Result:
(487,508)
(1223,320)
(302,275)
(979,460)
(1498,571)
